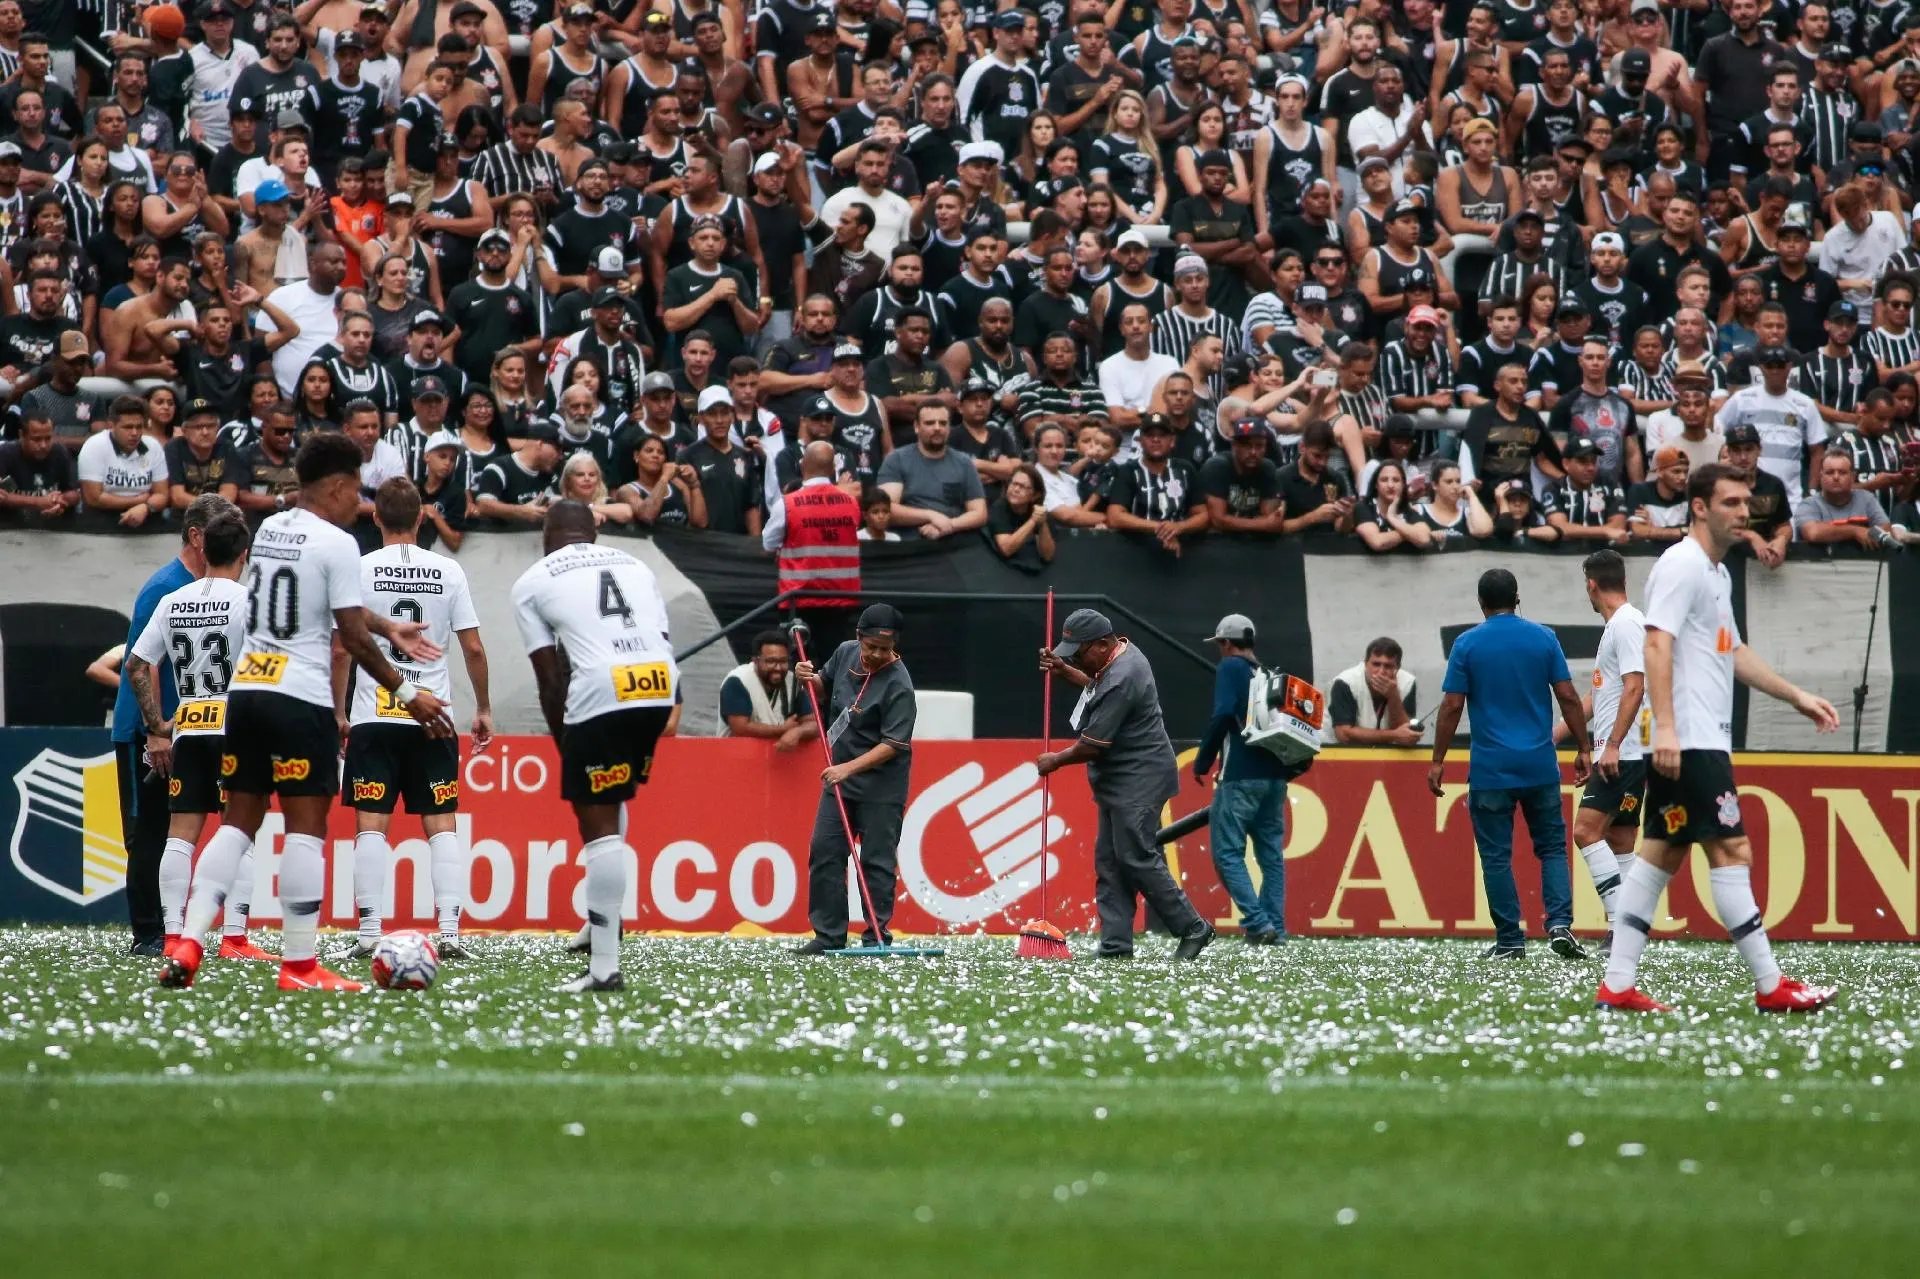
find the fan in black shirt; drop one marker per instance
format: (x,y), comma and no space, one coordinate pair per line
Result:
(729,474)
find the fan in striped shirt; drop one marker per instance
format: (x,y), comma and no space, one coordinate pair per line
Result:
(1416,369)
(1361,396)
(1874,448)
(1839,375)
(1176,328)
(1510,272)
(1895,350)
(518,165)
(1829,109)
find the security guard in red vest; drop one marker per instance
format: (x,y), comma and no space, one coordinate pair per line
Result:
(813,534)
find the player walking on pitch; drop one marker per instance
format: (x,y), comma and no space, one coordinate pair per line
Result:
(388,757)
(1693,656)
(1609,812)
(595,626)
(281,739)
(200,627)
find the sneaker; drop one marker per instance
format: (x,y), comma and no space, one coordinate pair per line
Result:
(587,983)
(311,976)
(148,947)
(1792,996)
(1629,1000)
(1564,944)
(815,946)
(361,949)
(582,942)
(240,946)
(1193,943)
(1497,951)
(1263,937)
(450,948)
(182,964)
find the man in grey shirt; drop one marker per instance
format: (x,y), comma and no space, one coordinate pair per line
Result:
(866,697)
(934,489)
(1130,766)
(1836,511)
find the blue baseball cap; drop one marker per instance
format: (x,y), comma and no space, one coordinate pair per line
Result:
(1010,20)
(272,191)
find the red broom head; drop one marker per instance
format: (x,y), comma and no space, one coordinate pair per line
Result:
(1040,939)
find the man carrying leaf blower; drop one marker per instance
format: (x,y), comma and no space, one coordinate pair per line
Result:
(866,699)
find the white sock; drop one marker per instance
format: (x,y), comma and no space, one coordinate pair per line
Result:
(1733,898)
(240,900)
(213,879)
(1605,869)
(370,857)
(176,877)
(451,870)
(605,861)
(1638,902)
(303,879)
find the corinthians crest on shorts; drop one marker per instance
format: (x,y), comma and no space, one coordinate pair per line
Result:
(1727,809)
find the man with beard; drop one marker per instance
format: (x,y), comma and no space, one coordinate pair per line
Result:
(1619,304)
(1130,286)
(990,357)
(872,319)
(904,377)
(1058,396)
(1242,487)
(1657,264)
(934,489)
(1730,80)
(780,228)
(1157,493)
(845,268)
(281,80)
(799,367)
(132,353)
(490,313)
(763,131)
(518,165)
(425,357)
(576,235)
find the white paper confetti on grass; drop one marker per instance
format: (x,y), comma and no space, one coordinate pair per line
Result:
(1632,1149)
(574,1130)
(1575,1140)
(1346,1217)
(748,1118)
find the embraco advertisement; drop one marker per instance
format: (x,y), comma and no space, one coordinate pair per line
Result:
(720,843)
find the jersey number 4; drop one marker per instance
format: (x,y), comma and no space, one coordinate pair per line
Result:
(612,602)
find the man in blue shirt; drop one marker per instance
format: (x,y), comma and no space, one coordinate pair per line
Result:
(1508,672)
(143,793)
(1250,796)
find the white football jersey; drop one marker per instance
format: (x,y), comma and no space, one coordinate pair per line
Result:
(604,608)
(1622,653)
(202,627)
(412,585)
(303,569)
(1691,598)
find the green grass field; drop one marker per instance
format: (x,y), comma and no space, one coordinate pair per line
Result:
(1332,1107)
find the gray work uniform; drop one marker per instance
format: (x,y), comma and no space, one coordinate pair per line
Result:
(1132,778)
(862,711)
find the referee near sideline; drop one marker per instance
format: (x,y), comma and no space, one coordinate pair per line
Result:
(1131,768)
(1508,672)
(143,792)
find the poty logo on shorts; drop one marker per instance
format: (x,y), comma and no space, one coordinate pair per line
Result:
(292,770)
(446,792)
(1629,802)
(1003,822)
(173,788)
(228,765)
(1675,815)
(369,790)
(599,779)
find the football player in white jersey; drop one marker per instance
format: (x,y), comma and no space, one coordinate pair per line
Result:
(200,627)
(1693,656)
(281,738)
(388,756)
(595,627)
(1608,816)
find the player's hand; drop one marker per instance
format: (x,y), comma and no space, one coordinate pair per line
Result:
(1434,773)
(431,713)
(482,729)
(410,638)
(1818,709)
(1666,750)
(1582,765)
(160,750)
(1608,765)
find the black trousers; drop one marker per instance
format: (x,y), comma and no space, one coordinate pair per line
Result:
(878,829)
(143,827)
(1128,864)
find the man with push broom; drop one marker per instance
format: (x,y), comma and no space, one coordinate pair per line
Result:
(1130,766)
(864,699)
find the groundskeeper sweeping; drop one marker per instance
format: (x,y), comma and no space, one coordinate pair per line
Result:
(864,699)
(1130,766)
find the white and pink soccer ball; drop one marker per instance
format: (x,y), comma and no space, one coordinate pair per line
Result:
(405,961)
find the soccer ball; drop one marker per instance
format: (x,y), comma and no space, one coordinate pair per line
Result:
(405,961)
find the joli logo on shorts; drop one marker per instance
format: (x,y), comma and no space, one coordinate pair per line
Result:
(599,779)
(292,770)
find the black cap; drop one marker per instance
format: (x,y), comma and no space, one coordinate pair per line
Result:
(539,430)
(1741,433)
(1213,160)
(818,406)
(1843,312)
(1580,446)
(215,9)
(1866,131)
(976,386)
(1636,62)
(199,408)
(1398,426)
(248,107)
(1401,208)
(429,388)
(823,21)
(879,620)
(1772,355)
(609,297)
(1084,625)
(426,318)
(762,113)
(1571,307)
(1529,214)
(349,40)
(1156,423)
(1835,52)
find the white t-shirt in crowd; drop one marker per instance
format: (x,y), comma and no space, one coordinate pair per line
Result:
(1691,598)
(385,464)
(1788,424)
(1665,427)
(891,213)
(1372,128)
(313,312)
(120,474)
(1622,653)
(1129,383)
(1849,255)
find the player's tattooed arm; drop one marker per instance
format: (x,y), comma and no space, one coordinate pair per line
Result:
(146,696)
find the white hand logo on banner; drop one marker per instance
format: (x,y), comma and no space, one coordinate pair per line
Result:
(1003,819)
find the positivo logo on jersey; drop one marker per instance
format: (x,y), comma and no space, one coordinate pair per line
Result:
(1002,821)
(66,834)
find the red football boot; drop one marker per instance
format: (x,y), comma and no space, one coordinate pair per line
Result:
(240,946)
(311,976)
(1792,996)
(1629,1000)
(182,964)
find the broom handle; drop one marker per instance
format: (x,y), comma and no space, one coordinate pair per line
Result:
(1046,735)
(846,823)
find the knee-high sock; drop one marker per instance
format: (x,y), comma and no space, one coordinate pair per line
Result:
(605,861)
(1605,869)
(240,900)
(303,878)
(1733,898)
(213,879)
(176,877)
(451,869)
(1639,902)
(585,935)
(370,858)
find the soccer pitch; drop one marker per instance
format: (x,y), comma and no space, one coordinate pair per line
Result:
(1338,1107)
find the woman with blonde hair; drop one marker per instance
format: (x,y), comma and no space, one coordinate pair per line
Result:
(1126,158)
(581,481)
(512,389)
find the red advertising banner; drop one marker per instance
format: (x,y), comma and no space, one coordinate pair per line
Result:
(720,837)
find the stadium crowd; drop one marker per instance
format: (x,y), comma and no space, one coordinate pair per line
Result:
(1420,275)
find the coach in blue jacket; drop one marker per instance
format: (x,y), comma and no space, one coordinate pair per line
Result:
(1250,795)
(1508,672)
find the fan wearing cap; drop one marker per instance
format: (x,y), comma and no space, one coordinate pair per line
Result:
(1241,485)
(573,311)
(1583,506)
(1286,154)
(995,451)
(1657,506)
(866,698)
(670,244)
(1390,268)
(998,92)
(425,356)
(1416,370)
(1122,739)
(516,490)
(1221,231)
(729,474)
(490,313)
(814,423)
(1808,293)
(709,295)
(198,460)
(1617,304)
(552,71)
(1840,374)
(652,70)
(1154,492)
(1789,422)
